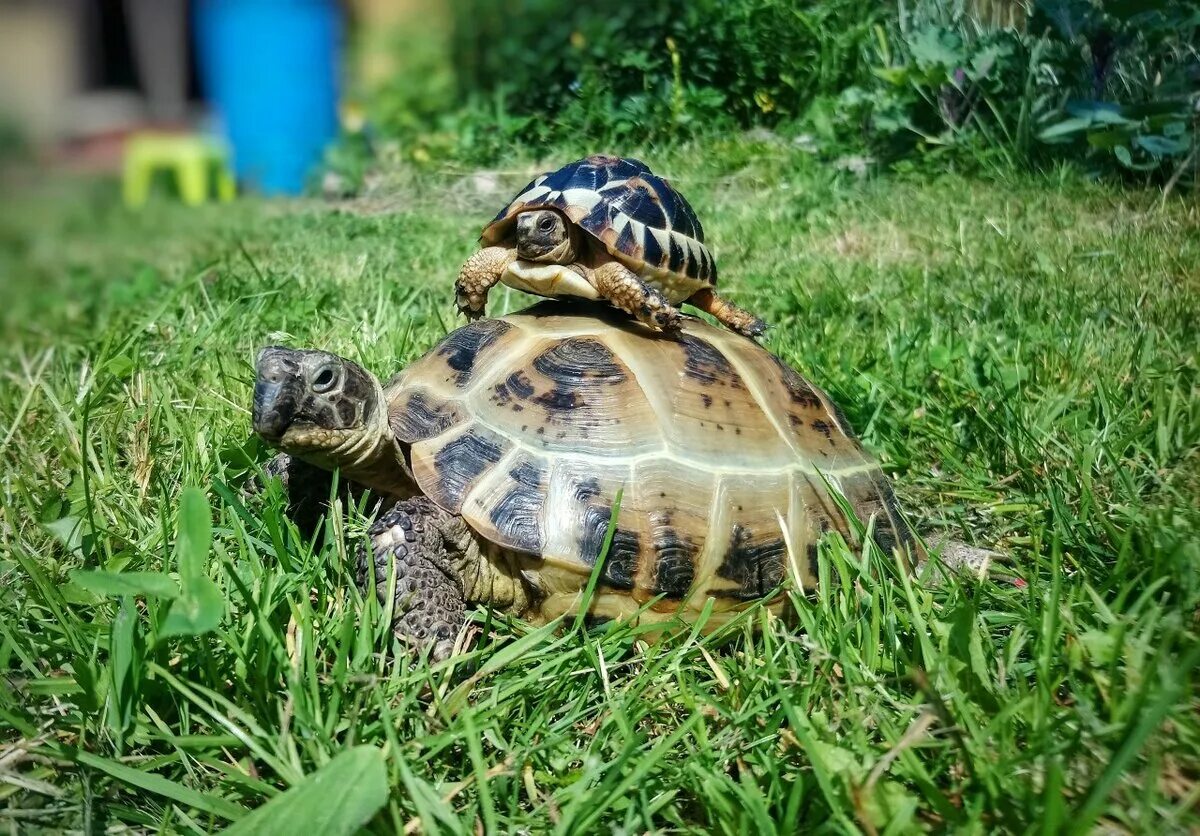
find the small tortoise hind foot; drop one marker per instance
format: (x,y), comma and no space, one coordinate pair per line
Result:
(663,317)
(471,308)
(728,314)
(753,328)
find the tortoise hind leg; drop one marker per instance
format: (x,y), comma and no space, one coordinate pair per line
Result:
(479,275)
(967,561)
(621,286)
(408,545)
(728,314)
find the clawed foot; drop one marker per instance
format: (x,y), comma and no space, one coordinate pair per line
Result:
(660,314)
(728,314)
(752,328)
(470,305)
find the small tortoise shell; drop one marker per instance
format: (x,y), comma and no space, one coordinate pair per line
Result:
(728,461)
(636,215)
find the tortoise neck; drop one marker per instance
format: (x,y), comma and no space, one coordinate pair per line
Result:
(376,459)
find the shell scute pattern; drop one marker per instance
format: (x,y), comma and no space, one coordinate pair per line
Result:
(725,510)
(637,215)
(513,502)
(569,397)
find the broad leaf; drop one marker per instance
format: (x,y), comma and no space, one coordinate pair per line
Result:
(338,798)
(199,609)
(933,47)
(1065,128)
(1106,113)
(69,531)
(1160,146)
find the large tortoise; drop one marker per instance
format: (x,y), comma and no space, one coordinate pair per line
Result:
(504,449)
(602,228)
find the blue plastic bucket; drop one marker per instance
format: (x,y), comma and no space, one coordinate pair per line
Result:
(270,70)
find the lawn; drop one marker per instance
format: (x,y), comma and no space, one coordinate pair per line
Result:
(1020,351)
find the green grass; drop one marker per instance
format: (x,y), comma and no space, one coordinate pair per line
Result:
(1021,353)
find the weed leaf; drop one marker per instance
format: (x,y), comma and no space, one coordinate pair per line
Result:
(194,538)
(197,611)
(338,798)
(115,584)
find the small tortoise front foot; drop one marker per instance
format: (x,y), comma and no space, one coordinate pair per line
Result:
(479,275)
(728,314)
(621,286)
(409,550)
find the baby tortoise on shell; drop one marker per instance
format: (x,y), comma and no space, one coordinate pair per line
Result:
(602,228)
(504,447)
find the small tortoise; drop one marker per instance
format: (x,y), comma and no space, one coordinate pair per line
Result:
(505,446)
(602,228)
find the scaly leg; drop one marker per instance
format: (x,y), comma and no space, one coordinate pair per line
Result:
(967,561)
(410,550)
(478,276)
(728,314)
(307,486)
(621,286)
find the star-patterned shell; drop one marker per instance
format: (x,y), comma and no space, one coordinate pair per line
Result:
(728,461)
(636,215)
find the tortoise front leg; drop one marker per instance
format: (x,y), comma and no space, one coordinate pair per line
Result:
(621,286)
(728,314)
(481,272)
(307,487)
(410,550)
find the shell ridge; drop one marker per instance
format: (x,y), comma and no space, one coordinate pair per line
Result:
(712,554)
(762,400)
(659,401)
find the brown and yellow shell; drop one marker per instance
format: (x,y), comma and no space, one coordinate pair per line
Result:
(529,426)
(637,216)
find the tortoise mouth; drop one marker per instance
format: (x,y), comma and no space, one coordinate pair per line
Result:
(274,407)
(269,422)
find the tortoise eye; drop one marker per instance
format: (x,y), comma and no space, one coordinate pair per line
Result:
(546,223)
(325,380)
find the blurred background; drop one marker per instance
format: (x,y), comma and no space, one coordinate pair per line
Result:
(305,94)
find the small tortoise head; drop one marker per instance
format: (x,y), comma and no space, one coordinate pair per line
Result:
(315,405)
(544,235)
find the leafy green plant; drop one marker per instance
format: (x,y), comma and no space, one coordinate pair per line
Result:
(1112,83)
(1129,73)
(543,70)
(339,798)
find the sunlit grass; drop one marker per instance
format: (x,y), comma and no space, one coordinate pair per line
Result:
(1022,356)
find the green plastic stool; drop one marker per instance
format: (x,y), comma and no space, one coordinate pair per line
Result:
(199,165)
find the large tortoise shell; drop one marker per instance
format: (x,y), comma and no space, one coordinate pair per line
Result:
(636,215)
(726,458)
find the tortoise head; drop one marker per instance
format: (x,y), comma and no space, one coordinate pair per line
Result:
(318,406)
(544,235)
